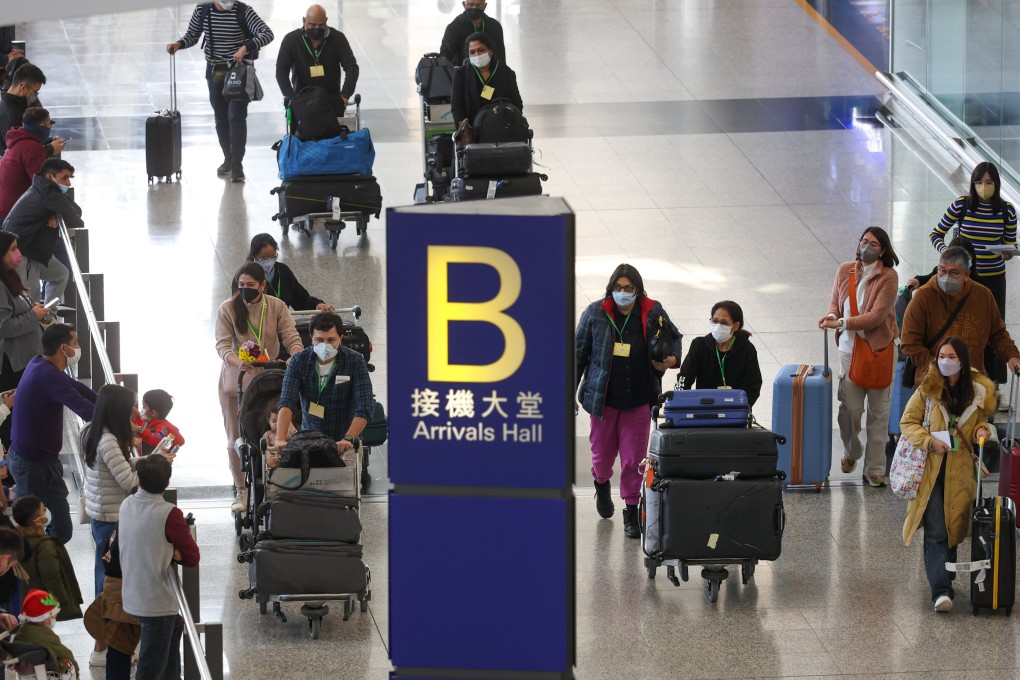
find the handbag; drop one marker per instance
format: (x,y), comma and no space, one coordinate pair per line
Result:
(908,462)
(465,134)
(909,370)
(241,82)
(660,345)
(869,368)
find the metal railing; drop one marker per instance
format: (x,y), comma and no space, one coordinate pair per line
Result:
(100,365)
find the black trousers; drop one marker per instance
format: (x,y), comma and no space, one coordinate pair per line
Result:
(994,366)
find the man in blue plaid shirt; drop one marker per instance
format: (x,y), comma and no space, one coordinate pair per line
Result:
(329,383)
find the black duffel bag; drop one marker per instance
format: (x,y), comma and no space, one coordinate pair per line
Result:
(500,122)
(307,449)
(315,112)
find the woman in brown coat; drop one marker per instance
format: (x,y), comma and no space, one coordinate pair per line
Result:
(959,400)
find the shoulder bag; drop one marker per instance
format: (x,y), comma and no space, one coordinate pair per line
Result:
(908,462)
(909,370)
(869,368)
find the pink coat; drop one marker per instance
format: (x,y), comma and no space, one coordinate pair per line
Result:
(877,317)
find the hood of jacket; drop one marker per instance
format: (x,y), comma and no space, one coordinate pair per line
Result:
(645,305)
(986,395)
(18,135)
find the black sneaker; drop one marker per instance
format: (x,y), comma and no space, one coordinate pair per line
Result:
(224,169)
(237,173)
(631,523)
(604,500)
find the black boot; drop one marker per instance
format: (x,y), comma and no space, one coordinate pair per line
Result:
(236,173)
(604,500)
(224,169)
(631,523)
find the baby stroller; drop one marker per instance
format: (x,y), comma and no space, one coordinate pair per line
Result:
(32,661)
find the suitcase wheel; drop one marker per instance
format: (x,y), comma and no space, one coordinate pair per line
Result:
(314,627)
(262,607)
(713,591)
(975,610)
(178,175)
(150,179)
(651,570)
(348,609)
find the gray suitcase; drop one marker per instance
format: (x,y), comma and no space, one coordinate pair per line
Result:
(308,515)
(306,568)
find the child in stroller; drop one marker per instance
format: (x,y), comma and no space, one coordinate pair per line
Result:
(38,615)
(272,414)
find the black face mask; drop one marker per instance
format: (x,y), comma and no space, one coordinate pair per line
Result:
(249,295)
(315,33)
(474,14)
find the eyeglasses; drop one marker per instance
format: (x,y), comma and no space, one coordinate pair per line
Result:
(873,244)
(951,273)
(624,289)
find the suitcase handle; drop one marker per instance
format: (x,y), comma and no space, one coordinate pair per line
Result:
(779,519)
(825,370)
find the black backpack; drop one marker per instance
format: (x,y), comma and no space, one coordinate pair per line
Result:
(434,77)
(315,114)
(500,122)
(307,449)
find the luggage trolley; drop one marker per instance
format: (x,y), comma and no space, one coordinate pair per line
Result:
(338,210)
(434,77)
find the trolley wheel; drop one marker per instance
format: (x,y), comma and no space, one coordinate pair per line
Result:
(334,238)
(348,608)
(366,480)
(178,175)
(238,523)
(975,611)
(684,573)
(746,573)
(651,570)
(314,627)
(818,487)
(364,604)
(262,607)
(1009,611)
(713,591)
(244,542)
(150,179)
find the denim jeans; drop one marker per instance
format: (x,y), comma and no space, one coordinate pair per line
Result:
(160,655)
(45,480)
(118,665)
(936,539)
(231,117)
(102,532)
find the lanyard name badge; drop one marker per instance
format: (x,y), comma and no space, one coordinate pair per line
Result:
(620,349)
(721,358)
(316,408)
(487,90)
(316,70)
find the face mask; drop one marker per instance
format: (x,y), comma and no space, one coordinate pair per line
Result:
(868,254)
(16,259)
(480,60)
(949,286)
(325,351)
(949,367)
(47,519)
(268,264)
(227,4)
(40,132)
(720,333)
(250,295)
(985,192)
(72,360)
(63,188)
(623,299)
(474,14)
(315,33)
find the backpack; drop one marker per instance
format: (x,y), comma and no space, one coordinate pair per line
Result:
(434,77)
(239,11)
(315,114)
(308,449)
(500,122)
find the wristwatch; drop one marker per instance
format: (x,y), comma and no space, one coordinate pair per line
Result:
(349,438)
(842,323)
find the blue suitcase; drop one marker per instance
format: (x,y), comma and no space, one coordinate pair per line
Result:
(898,400)
(706,408)
(802,411)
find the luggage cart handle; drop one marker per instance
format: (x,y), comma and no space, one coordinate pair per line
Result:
(980,466)
(1014,395)
(354,311)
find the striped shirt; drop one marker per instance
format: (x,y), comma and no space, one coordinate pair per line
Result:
(981,227)
(224,35)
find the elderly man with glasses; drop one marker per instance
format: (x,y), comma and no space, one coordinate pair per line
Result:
(952,304)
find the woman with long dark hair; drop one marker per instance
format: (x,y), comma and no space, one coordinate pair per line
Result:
(959,400)
(248,316)
(725,357)
(618,382)
(280,279)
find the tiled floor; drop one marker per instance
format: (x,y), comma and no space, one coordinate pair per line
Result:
(727,148)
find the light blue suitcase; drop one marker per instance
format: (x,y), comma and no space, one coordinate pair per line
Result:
(802,394)
(898,400)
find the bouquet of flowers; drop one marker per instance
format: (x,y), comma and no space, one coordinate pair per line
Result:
(251,353)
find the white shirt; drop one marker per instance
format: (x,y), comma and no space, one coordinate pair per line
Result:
(846,337)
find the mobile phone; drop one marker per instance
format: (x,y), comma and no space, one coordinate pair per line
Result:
(52,303)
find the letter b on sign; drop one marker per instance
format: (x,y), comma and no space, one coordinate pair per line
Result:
(441,311)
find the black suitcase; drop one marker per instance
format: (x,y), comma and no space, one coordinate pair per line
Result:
(303,195)
(993,538)
(163,137)
(377,430)
(729,521)
(706,453)
(312,516)
(439,158)
(474,188)
(434,76)
(509,158)
(306,567)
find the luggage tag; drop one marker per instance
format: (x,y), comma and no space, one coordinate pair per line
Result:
(317,71)
(488,91)
(621,349)
(316,410)
(493,186)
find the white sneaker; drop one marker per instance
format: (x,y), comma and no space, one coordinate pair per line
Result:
(240,503)
(943,604)
(97,659)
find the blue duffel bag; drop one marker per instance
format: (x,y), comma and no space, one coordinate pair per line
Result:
(349,154)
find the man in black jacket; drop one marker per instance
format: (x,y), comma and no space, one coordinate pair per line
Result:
(35,218)
(473,20)
(313,56)
(23,93)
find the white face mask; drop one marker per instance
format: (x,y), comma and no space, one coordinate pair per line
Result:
(325,351)
(480,60)
(72,360)
(720,333)
(226,4)
(949,367)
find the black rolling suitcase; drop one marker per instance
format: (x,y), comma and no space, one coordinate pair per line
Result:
(306,567)
(993,544)
(163,137)
(705,453)
(510,158)
(300,196)
(475,188)
(309,515)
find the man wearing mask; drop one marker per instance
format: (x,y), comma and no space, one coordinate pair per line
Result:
(313,56)
(26,152)
(952,304)
(23,93)
(233,32)
(37,435)
(329,383)
(35,218)
(473,20)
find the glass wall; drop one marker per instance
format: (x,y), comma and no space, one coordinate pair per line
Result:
(963,58)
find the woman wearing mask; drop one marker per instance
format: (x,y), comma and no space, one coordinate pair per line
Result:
(959,401)
(248,316)
(280,279)
(725,358)
(618,383)
(20,333)
(874,283)
(985,219)
(482,80)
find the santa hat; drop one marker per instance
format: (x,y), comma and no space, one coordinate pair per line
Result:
(39,606)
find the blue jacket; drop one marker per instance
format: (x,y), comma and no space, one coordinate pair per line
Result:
(593,350)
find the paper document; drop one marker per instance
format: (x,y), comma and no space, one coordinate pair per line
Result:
(943,436)
(1002,249)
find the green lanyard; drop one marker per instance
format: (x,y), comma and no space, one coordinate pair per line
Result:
(621,328)
(262,319)
(721,358)
(316,53)
(485,81)
(279,284)
(324,380)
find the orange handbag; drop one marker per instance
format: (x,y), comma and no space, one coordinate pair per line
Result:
(869,368)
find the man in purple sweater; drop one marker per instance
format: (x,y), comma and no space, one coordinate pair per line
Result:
(37,434)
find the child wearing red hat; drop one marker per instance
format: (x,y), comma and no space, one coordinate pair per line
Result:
(38,614)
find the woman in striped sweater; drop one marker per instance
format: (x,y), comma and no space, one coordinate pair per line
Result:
(985,219)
